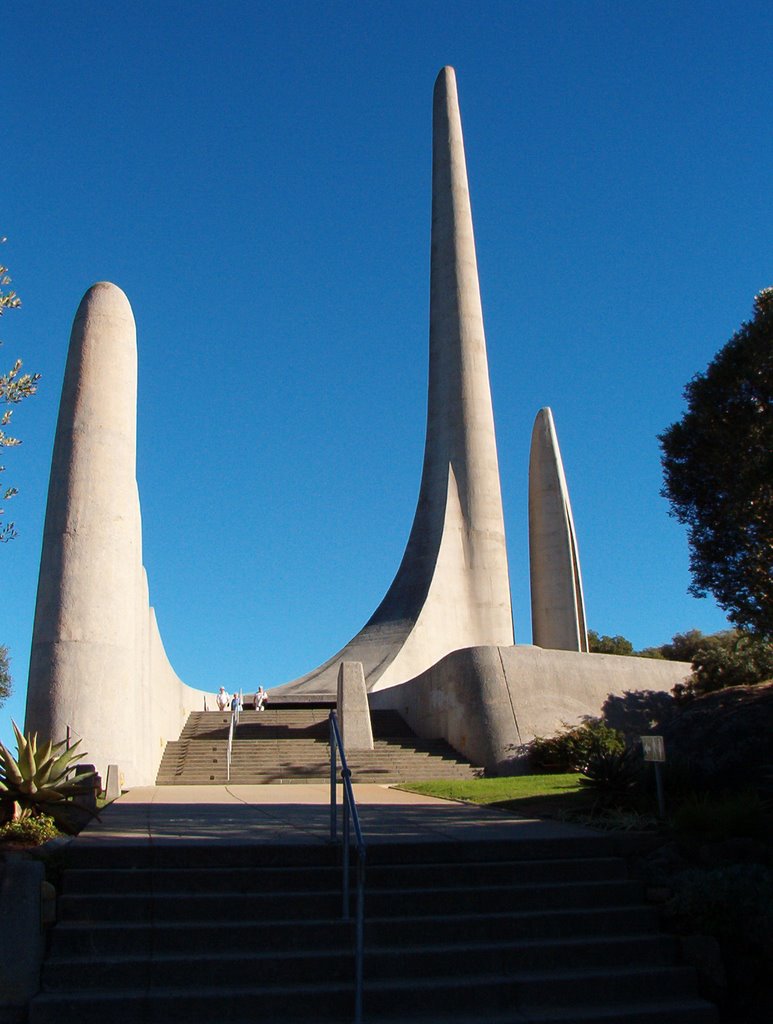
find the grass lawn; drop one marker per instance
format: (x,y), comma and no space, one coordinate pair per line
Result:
(542,795)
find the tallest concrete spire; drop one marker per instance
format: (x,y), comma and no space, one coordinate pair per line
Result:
(452,588)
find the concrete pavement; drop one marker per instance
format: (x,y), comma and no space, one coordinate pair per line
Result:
(285,814)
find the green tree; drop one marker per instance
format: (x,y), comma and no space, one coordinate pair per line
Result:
(718,473)
(730,658)
(5,675)
(684,646)
(608,644)
(15,386)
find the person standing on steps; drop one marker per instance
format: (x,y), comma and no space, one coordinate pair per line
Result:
(222,699)
(260,699)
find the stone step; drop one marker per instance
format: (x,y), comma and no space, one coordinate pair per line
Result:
(325,903)
(315,746)
(333,962)
(234,855)
(461,932)
(268,752)
(521,996)
(379,876)
(292,745)
(95,938)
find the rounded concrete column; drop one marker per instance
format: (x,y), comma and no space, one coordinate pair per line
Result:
(83,666)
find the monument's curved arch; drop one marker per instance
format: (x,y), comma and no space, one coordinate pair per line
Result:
(452,588)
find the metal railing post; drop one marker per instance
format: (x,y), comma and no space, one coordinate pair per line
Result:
(333,808)
(230,747)
(351,820)
(359,939)
(345,851)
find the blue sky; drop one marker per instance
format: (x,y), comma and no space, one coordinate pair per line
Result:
(256,178)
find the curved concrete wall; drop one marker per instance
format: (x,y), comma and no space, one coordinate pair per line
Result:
(489,702)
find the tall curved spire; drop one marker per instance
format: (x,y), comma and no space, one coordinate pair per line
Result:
(452,588)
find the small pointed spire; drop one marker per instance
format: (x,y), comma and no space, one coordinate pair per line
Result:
(557,603)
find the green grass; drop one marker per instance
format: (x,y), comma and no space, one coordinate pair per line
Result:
(542,795)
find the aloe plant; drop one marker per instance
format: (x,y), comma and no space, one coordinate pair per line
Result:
(614,776)
(40,780)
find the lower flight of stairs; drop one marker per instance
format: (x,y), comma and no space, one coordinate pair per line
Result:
(291,745)
(531,931)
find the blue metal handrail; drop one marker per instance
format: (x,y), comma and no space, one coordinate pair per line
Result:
(350,815)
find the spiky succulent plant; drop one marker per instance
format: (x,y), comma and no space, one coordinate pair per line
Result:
(40,780)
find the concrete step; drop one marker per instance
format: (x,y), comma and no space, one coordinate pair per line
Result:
(274,905)
(541,991)
(379,876)
(233,855)
(517,998)
(334,962)
(291,745)
(108,938)
(459,932)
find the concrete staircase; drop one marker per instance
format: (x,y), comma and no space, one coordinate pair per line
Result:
(476,932)
(291,745)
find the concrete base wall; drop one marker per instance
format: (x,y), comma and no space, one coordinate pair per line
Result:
(490,702)
(22,938)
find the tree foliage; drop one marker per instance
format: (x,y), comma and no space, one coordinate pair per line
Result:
(718,473)
(5,675)
(15,386)
(729,658)
(608,644)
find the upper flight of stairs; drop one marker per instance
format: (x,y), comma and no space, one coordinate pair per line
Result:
(527,932)
(291,745)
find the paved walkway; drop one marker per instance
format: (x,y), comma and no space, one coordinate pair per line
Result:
(301,814)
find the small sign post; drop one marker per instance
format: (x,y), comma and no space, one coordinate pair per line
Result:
(655,751)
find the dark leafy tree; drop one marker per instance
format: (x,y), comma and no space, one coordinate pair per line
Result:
(684,646)
(718,474)
(730,658)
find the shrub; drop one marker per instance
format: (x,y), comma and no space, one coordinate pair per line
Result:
(722,817)
(614,777)
(30,829)
(40,781)
(734,903)
(571,750)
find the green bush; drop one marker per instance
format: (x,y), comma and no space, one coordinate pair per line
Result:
(728,816)
(570,751)
(614,777)
(734,904)
(30,830)
(40,780)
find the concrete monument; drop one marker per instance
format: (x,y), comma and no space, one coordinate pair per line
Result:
(452,588)
(557,605)
(439,648)
(97,663)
